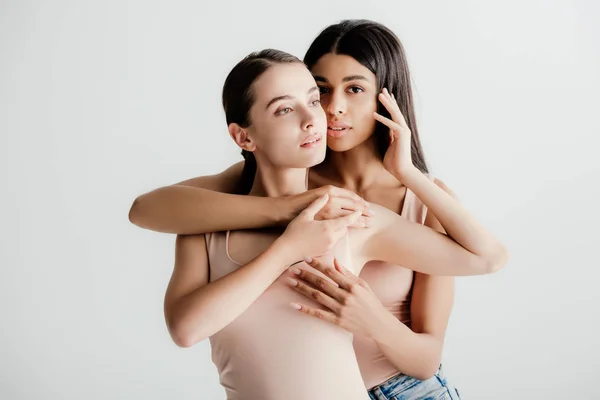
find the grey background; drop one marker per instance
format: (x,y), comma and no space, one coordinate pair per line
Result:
(102,101)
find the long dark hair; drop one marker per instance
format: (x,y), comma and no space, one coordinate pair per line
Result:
(238,98)
(378,49)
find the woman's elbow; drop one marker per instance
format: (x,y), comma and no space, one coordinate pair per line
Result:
(142,213)
(497,260)
(427,370)
(423,376)
(135,214)
(182,335)
(182,340)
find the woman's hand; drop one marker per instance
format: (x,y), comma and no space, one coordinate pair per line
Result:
(349,301)
(307,237)
(340,203)
(398,158)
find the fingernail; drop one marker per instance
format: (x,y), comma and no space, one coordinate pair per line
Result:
(296,271)
(308,259)
(292,282)
(296,306)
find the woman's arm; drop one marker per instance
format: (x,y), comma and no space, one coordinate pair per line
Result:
(206,204)
(456,221)
(468,249)
(196,309)
(351,304)
(474,251)
(417,350)
(414,350)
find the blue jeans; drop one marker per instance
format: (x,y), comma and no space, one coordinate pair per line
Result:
(403,387)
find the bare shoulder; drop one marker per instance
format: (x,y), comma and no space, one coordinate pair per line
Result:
(191,267)
(190,248)
(190,241)
(382,217)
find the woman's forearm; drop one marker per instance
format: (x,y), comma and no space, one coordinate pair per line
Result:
(211,307)
(191,210)
(414,354)
(458,223)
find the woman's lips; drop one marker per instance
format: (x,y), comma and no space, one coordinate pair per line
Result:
(312,141)
(337,131)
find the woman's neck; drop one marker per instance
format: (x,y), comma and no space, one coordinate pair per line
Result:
(278,182)
(359,168)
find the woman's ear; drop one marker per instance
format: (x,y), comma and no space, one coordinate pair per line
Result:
(241,137)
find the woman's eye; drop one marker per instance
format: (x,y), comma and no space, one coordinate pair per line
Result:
(284,111)
(323,90)
(316,102)
(355,89)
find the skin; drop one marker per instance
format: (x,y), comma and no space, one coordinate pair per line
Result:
(196,308)
(354,166)
(416,351)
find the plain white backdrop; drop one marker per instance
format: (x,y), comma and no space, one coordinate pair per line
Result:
(101,101)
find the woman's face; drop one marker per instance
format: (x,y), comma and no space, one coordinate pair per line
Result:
(288,126)
(349,98)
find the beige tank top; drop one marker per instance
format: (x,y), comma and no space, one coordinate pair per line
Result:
(273,352)
(392,284)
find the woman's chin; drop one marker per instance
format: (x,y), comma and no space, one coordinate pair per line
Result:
(309,159)
(345,143)
(339,146)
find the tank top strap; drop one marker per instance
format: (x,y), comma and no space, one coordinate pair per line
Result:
(218,256)
(413,208)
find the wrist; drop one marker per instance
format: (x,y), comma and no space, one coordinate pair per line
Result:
(407,174)
(290,206)
(284,210)
(284,251)
(381,323)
